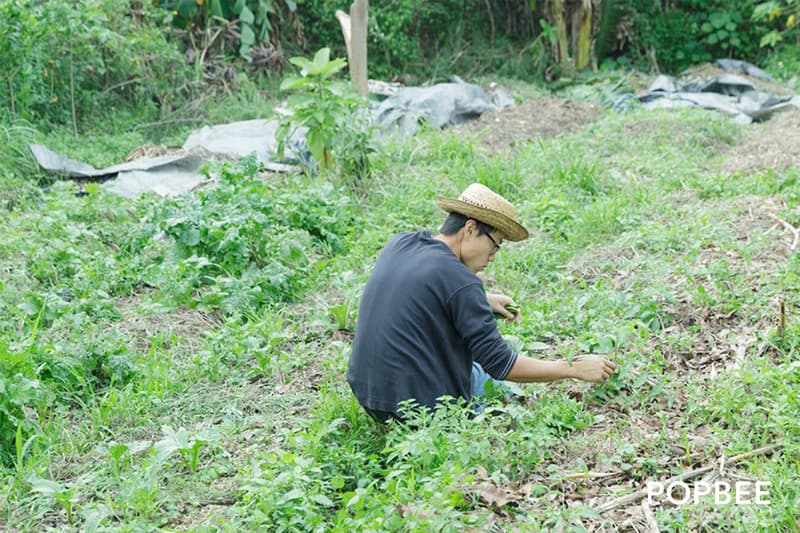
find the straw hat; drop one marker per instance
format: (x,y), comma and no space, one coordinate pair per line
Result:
(483,204)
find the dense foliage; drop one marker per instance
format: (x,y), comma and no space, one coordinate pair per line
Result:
(66,62)
(73,63)
(693,31)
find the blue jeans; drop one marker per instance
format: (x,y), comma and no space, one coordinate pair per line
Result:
(479,380)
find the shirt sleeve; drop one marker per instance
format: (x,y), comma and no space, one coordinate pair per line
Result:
(473,319)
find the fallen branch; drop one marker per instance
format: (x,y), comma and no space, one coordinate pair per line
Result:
(587,475)
(795,232)
(649,519)
(167,121)
(639,494)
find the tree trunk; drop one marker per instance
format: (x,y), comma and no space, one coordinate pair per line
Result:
(583,43)
(562,42)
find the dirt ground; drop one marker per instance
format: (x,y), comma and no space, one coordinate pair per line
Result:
(141,328)
(541,118)
(772,144)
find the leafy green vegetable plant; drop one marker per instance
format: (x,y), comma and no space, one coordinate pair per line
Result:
(182,442)
(63,495)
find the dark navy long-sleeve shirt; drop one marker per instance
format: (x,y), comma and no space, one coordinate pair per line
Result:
(422,320)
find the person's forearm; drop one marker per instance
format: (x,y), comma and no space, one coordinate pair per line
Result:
(529,370)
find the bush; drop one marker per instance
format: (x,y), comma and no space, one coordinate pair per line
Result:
(413,37)
(64,58)
(691,32)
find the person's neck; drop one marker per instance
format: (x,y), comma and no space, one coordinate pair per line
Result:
(451,241)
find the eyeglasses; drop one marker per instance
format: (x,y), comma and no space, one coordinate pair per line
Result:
(496,246)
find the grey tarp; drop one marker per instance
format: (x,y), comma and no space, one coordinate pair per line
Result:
(173,174)
(239,139)
(744,67)
(731,94)
(165,175)
(442,105)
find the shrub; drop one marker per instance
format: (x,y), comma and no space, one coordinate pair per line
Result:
(63,61)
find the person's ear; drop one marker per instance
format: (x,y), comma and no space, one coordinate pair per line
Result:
(470,225)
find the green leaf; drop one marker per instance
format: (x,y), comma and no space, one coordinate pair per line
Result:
(640,380)
(248,37)
(294,494)
(294,83)
(215,8)
(94,517)
(302,63)
(706,28)
(316,145)
(333,67)
(770,39)
(537,346)
(187,9)
(763,10)
(322,500)
(46,486)
(190,236)
(321,60)
(718,19)
(246,16)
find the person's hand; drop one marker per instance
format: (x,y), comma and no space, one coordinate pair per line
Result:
(594,369)
(498,303)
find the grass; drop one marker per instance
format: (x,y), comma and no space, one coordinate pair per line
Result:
(168,366)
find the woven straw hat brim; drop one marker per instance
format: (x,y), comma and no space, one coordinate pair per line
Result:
(513,230)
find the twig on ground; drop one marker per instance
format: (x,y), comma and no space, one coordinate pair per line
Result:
(639,494)
(792,229)
(650,519)
(223,500)
(167,121)
(587,475)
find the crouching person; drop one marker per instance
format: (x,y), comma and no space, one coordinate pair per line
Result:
(426,327)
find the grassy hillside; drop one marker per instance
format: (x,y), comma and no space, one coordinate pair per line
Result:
(178,365)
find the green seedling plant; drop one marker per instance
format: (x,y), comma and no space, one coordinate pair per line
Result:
(119,457)
(326,108)
(182,442)
(65,496)
(343,314)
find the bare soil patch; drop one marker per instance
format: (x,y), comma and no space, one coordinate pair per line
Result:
(141,327)
(773,144)
(724,338)
(542,118)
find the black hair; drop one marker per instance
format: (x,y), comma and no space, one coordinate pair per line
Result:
(455,221)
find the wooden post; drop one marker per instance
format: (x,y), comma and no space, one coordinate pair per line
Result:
(358,59)
(344,22)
